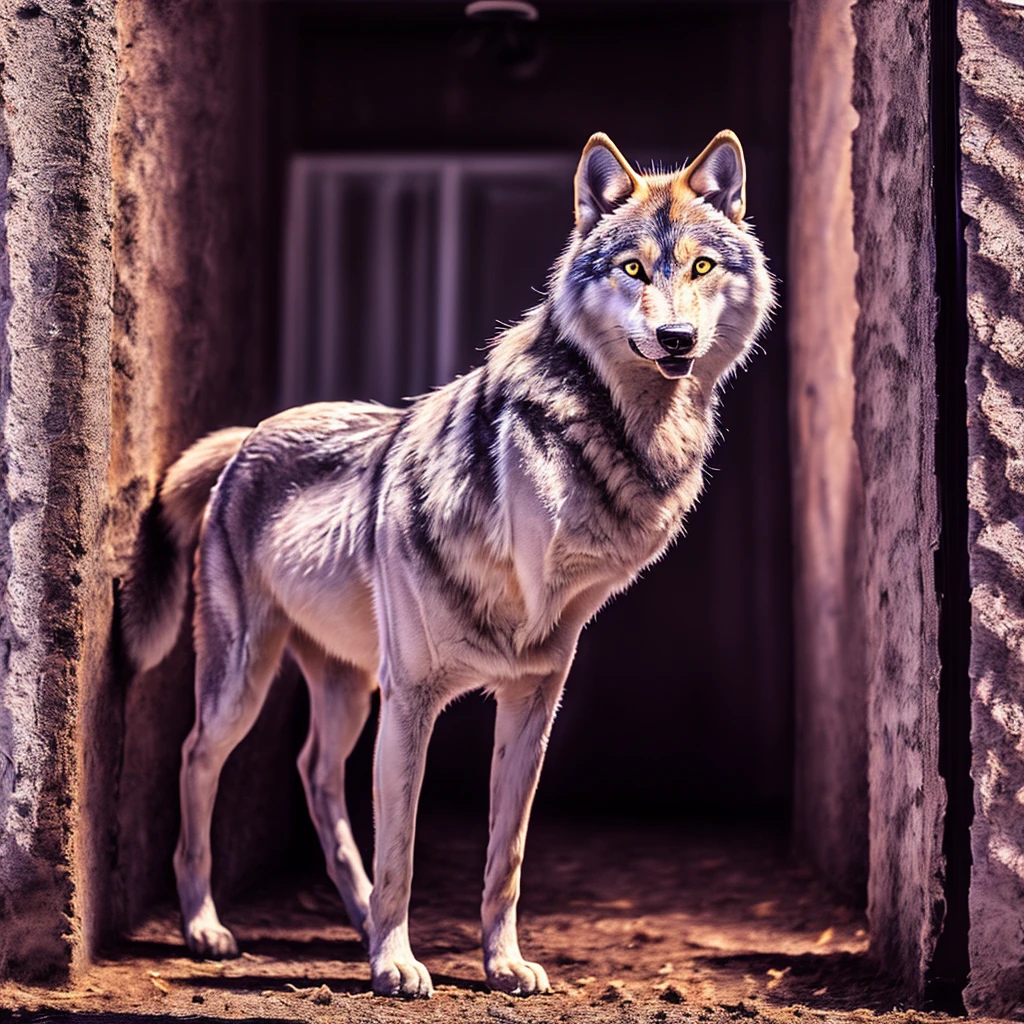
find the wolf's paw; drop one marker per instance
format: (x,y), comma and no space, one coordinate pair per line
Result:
(406,977)
(517,977)
(210,941)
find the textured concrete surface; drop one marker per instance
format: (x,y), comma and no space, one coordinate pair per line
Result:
(188,356)
(894,366)
(992,97)
(57,85)
(129,328)
(831,790)
(869,800)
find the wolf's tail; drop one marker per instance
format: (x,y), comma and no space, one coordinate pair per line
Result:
(155,587)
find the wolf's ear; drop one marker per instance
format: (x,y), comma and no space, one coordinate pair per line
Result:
(719,175)
(604,180)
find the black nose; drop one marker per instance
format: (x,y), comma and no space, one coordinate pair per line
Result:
(677,338)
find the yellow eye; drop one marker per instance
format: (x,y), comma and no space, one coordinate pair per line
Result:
(702,266)
(632,268)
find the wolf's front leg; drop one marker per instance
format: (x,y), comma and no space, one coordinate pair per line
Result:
(521,731)
(407,716)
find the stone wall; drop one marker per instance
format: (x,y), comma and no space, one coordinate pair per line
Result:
(869,797)
(190,354)
(876,584)
(831,786)
(991,99)
(57,85)
(129,298)
(894,365)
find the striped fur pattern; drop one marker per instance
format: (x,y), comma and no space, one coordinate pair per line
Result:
(461,542)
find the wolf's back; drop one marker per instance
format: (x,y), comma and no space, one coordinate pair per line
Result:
(156,585)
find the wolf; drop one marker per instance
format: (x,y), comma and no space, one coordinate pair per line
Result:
(461,542)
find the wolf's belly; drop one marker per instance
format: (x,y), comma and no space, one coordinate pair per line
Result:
(312,559)
(328,598)
(336,612)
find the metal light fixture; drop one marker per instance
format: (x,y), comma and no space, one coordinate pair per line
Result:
(501,10)
(506,34)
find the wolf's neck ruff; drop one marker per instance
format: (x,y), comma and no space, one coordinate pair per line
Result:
(626,422)
(613,472)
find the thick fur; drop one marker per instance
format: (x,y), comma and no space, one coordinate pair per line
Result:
(459,543)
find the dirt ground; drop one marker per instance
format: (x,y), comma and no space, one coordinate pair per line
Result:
(634,924)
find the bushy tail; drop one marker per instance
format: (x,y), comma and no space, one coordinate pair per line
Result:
(156,585)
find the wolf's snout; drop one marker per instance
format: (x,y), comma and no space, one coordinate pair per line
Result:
(677,339)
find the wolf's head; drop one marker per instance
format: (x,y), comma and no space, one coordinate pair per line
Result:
(661,275)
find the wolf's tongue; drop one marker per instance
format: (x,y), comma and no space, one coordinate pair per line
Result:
(675,366)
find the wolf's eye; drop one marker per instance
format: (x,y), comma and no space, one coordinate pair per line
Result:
(702,266)
(634,268)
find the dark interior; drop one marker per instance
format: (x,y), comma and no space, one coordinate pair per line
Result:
(680,702)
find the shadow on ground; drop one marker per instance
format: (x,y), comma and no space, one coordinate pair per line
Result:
(634,923)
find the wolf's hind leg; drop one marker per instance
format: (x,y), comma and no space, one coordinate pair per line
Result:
(236,658)
(521,730)
(339,704)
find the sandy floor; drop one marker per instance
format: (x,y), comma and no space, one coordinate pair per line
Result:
(633,924)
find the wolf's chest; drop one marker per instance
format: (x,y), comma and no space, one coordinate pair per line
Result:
(567,558)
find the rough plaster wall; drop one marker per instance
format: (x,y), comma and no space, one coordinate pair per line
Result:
(894,366)
(831,797)
(57,85)
(188,356)
(104,377)
(992,195)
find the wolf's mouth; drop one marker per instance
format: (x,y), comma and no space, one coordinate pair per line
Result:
(671,366)
(675,366)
